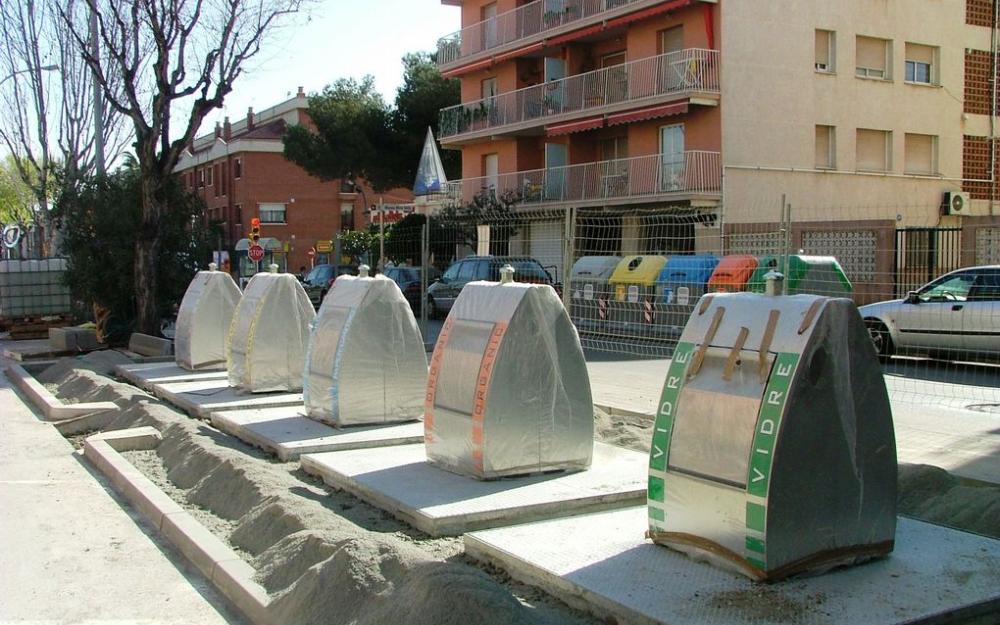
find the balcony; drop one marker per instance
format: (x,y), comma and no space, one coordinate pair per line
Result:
(694,176)
(691,74)
(533,23)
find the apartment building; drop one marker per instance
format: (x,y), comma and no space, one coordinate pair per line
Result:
(681,126)
(240,171)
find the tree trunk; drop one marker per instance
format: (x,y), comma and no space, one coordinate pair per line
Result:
(147,252)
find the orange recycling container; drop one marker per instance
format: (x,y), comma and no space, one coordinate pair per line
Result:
(732,273)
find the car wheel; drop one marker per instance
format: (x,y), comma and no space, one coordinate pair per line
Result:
(432,309)
(880,337)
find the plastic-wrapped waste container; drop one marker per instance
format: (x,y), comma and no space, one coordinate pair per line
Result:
(818,275)
(366,360)
(681,282)
(266,349)
(632,309)
(773,452)
(204,318)
(732,273)
(591,292)
(508,391)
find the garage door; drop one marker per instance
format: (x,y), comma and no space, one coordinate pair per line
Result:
(546,246)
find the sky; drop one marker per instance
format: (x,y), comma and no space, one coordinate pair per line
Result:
(339,39)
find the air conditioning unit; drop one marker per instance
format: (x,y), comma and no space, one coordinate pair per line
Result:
(955,203)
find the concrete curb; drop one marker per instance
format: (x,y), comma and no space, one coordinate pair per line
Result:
(51,407)
(211,556)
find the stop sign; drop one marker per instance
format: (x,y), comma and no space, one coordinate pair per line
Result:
(256,253)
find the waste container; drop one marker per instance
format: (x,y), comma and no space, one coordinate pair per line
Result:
(366,362)
(508,391)
(633,284)
(681,282)
(818,275)
(591,292)
(773,451)
(732,273)
(266,348)
(203,320)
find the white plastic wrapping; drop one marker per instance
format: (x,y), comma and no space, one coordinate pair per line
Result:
(266,349)
(773,452)
(508,391)
(203,320)
(366,360)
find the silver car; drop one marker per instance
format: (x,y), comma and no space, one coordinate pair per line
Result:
(956,315)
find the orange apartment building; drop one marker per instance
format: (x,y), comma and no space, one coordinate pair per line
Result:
(240,171)
(867,117)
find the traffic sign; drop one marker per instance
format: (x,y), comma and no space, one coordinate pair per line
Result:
(256,253)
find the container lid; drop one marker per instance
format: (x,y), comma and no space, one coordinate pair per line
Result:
(642,270)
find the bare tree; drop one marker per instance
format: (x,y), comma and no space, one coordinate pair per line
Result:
(47,122)
(173,56)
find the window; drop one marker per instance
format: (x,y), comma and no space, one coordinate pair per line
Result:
(986,288)
(672,40)
(208,176)
(873,58)
(672,157)
(201,178)
(452,273)
(224,180)
(215,169)
(874,150)
(921,154)
(489,88)
(347,216)
(467,271)
(949,288)
(272,213)
(825,51)
(491,170)
(239,214)
(825,148)
(238,169)
(921,64)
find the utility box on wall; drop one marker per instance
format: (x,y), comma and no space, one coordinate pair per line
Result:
(773,452)
(508,391)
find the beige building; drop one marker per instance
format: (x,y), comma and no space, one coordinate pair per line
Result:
(679,126)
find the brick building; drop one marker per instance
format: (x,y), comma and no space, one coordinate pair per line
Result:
(241,173)
(677,126)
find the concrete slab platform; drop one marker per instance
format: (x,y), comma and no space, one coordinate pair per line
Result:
(602,563)
(400,481)
(202,398)
(287,433)
(146,374)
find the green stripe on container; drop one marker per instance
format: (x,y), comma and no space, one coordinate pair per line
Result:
(769,423)
(657,514)
(756,515)
(755,544)
(667,409)
(655,488)
(757,563)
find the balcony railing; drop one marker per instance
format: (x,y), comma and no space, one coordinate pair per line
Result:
(676,73)
(622,180)
(523,22)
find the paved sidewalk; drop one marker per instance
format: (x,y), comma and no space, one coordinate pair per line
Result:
(966,442)
(71,552)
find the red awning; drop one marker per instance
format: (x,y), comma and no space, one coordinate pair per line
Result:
(641,15)
(650,112)
(525,50)
(451,73)
(576,34)
(575,126)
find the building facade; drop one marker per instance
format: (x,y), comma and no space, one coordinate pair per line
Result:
(683,126)
(240,171)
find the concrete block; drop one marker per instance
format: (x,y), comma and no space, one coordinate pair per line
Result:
(195,541)
(72,339)
(234,579)
(146,345)
(146,374)
(52,408)
(401,481)
(201,399)
(601,563)
(132,439)
(286,433)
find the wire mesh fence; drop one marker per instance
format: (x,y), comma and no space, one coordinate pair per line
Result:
(630,277)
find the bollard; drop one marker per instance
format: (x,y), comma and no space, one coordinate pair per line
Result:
(363,271)
(506,274)
(773,282)
(213,267)
(273,268)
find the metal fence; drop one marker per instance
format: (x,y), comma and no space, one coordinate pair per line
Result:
(942,345)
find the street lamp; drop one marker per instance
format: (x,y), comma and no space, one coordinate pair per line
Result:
(44,68)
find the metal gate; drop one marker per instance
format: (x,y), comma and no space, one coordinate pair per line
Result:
(923,254)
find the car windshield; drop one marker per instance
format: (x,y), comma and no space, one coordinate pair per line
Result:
(320,274)
(948,288)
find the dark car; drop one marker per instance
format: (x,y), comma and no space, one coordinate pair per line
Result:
(318,282)
(408,280)
(442,294)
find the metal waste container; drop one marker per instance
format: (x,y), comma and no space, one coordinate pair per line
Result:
(732,273)
(681,282)
(633,284)
(773,451)
(590,291)
(818,275)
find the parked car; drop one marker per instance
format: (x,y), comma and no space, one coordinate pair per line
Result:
(441,295)
(408,280)
(956,315)
(318,282)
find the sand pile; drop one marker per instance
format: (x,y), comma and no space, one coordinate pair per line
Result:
(934,495)
(102,362)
